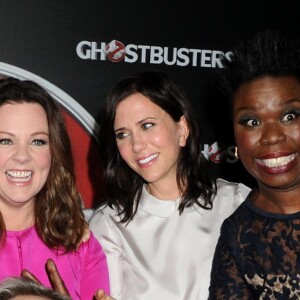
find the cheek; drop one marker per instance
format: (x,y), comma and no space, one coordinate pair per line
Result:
(295,134)
(246,143)
(167,139)
(123,150)
(44,160)
(4,157)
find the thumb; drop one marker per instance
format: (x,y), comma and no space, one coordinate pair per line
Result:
(100,295)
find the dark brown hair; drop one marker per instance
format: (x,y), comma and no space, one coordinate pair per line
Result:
(123,186)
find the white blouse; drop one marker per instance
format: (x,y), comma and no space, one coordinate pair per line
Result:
(161,254)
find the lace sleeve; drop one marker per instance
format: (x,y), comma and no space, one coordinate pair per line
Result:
(226,280)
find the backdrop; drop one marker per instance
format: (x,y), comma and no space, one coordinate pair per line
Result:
(78,50)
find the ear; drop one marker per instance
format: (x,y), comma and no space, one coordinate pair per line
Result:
(184,131)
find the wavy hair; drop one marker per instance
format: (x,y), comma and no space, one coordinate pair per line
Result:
(59,220)
(122,186)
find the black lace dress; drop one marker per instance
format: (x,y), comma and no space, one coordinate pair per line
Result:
(257,256)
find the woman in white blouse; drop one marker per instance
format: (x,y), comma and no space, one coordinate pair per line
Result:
(156,224)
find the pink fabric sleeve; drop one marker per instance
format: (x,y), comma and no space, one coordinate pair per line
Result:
(95,271)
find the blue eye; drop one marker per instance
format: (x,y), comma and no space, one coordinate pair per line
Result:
(5,142)
(39,142)
(147,125)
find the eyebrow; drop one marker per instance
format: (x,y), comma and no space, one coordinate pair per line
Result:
(33,134)
(293,100)
(40,132)
(137,123)
(288,102)
(146,119)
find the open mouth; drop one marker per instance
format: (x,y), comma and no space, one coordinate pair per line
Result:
(276,162)
(19,176)
(148,159)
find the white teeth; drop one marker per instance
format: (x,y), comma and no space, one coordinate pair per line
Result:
(276,162)
(19,176)
(149,158)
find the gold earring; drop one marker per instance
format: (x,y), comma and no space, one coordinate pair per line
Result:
(236,154)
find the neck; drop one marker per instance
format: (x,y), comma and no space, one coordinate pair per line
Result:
(17,218)
(277,201)
(163,193)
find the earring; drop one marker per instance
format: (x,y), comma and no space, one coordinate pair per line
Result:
(236,153)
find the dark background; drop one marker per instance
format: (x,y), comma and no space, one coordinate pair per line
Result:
(41,37)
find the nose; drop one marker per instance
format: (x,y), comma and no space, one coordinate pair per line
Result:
(138,142)
(272,134)
(21,154)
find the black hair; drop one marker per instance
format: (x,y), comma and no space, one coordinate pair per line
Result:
(268,53)
(122,186)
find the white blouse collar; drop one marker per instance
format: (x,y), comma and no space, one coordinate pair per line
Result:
(157,207)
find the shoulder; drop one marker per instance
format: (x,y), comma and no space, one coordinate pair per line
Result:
(238,225)
(231,190)
(102,215)
(92,245)
(104,222)
(229,197)
(242,216)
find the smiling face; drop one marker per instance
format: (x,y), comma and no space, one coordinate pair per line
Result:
(149,140)
(267,130)
(25,157)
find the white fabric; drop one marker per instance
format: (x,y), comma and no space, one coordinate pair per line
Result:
(161,254)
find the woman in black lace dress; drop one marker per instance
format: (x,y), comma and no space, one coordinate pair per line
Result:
(258,252)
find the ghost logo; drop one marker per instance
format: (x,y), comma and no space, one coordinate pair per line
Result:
(216,152)
(115,51)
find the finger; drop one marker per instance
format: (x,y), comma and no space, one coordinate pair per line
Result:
(100,295)
(25,273)
(55,278)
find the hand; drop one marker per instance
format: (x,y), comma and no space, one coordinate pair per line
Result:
(100,295)
(57,282)
(26,274)
(54,277)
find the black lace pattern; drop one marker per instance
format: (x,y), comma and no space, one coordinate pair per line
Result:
(257,256)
